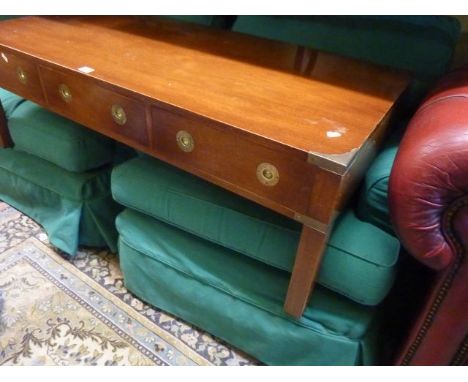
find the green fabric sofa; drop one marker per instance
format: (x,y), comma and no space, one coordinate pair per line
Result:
(206,255)
(59,174)
(362,268)
(223,263)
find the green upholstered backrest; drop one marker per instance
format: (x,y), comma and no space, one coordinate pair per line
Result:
(422,45)
(3,17)
(207,20)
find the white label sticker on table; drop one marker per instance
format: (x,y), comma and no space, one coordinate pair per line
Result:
(86,69)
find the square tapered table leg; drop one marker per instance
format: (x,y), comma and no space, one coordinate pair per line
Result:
(308,258)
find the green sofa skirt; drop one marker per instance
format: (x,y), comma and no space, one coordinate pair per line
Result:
(74,208)
(240,299)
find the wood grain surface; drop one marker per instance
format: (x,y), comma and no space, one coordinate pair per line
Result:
(244,82)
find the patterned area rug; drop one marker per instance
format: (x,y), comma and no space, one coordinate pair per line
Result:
(57,311)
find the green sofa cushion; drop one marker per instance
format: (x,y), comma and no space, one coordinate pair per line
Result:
(239,299)
(74,208)
(373,203)
(359,261)
(58,140)
(420,44)
(10,101)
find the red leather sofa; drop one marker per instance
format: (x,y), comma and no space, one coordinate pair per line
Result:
(428,197)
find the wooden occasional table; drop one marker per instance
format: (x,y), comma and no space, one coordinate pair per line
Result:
(290,128)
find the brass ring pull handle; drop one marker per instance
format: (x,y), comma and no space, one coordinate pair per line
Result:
(22,77)
(185,141)
(267,174)
(65,93)
(118,114)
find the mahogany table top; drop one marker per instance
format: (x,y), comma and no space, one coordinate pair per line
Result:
(310,101)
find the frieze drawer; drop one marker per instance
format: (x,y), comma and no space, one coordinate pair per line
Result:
(195,143)
(104,110)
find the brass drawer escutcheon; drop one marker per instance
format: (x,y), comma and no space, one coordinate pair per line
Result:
(65,93)
(22,77)
(185,141)
(118,114)
(267,174)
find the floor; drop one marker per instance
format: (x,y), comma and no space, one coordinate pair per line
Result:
(102,267)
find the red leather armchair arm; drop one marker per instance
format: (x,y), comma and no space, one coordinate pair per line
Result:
(428,197)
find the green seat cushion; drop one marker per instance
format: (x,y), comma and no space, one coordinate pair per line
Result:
(373,197)
(422,45)
(10,101)
(74,208)
(58,140)
(359,261)
(239,299)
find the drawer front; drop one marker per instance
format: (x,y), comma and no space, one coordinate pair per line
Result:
(195,143)
(20,76)
(81,99)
